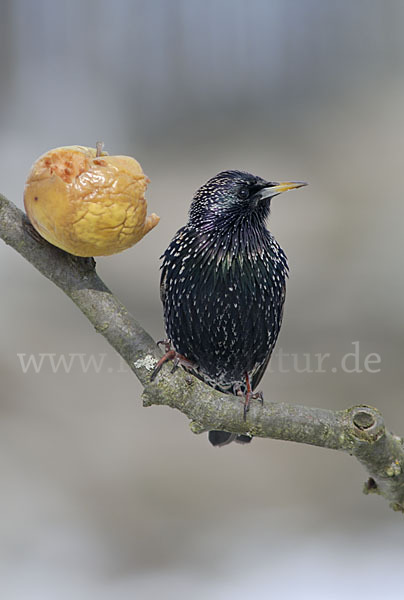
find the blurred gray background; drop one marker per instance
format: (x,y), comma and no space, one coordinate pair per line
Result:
(101,498)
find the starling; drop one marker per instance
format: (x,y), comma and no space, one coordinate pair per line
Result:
(223,287)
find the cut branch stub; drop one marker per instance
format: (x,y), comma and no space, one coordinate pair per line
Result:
(367,423)
(381,453)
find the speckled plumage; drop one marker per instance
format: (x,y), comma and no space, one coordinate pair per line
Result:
(223,282)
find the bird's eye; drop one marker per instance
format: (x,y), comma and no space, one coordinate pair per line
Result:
(243,193)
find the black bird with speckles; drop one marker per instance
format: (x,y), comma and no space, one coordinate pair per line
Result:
(223,287)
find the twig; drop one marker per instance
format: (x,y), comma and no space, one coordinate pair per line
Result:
(359,431)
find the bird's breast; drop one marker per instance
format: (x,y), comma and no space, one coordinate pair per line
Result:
(225,301)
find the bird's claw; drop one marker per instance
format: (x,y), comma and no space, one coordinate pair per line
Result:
(166,343)
(247,401)
(176,362)
(170,354)
(258,396)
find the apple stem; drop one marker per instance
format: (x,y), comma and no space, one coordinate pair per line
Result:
(99,146)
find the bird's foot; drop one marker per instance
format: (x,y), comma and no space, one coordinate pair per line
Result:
(170,354)
(248,395)
(247,401)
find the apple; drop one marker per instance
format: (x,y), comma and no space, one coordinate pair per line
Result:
(87,202)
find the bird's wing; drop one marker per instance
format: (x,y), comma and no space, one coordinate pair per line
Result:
(167,260)
(259,373)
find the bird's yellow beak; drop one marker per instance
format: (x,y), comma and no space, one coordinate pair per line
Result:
(284,186)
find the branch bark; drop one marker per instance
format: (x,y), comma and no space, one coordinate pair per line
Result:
(359,430)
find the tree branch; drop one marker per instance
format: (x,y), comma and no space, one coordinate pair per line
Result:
(360,430)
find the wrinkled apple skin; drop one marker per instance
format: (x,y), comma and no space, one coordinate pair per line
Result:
(86,204)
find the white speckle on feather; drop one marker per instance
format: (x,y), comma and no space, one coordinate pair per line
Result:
(148,362)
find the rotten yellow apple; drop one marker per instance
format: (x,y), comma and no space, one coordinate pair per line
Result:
(87,202)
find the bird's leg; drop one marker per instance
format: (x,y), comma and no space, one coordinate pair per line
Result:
(250,395)
(170,354)
(247,396)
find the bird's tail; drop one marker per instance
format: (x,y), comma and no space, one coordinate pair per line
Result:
(222,438)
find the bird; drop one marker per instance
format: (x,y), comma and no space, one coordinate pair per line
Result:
(223,285)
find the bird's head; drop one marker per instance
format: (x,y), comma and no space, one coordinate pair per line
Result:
(232,195)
